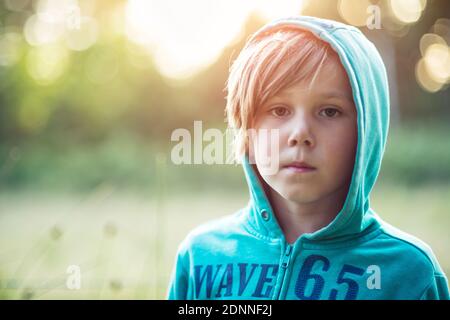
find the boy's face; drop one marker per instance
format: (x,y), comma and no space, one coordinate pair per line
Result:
(317,124)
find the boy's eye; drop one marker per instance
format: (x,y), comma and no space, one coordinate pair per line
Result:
(330,112)
(279,111)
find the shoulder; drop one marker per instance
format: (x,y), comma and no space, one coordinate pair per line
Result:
(215,233)
(414,252)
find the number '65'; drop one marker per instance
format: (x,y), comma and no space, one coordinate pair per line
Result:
(305,277)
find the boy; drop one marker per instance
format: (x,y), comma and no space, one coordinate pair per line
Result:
(308,231)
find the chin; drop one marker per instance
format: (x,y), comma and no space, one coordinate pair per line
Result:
(299,195)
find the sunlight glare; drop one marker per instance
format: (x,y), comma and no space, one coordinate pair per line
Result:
(185,37)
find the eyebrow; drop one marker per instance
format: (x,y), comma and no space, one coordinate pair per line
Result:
(336,94)
(324,94)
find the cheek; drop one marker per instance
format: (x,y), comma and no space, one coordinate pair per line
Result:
(340,150)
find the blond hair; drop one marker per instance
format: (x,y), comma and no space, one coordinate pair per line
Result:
(265,66)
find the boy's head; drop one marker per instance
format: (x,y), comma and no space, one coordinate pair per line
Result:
(293,82)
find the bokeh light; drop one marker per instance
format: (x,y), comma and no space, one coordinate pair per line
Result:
(56,11)
(437,62)
(39,31)
(433,69)
(10,48)
(55,20)
(46,64)
(407,11)
(354,12)
(428,39)
(424,80)
(442,28)
(82,37)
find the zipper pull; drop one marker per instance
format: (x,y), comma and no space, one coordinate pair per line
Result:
(286,257)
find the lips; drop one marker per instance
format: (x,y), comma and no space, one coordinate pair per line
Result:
(299,166)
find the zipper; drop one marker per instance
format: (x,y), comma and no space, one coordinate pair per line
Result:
(284,265)
(286,257)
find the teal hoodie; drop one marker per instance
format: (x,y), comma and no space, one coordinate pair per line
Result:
(357,256)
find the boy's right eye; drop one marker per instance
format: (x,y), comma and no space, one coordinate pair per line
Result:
(279,111)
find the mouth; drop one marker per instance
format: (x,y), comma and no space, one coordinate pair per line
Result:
(299,167)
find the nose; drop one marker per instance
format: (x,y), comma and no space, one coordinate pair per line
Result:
(300,134)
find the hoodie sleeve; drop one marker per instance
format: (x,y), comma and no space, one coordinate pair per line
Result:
(437,289)
(179,280)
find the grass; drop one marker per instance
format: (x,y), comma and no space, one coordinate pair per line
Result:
(125,243)
(118,210)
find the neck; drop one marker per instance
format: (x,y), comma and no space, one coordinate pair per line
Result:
(296,218)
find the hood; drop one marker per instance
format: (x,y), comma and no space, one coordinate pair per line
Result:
(368,79)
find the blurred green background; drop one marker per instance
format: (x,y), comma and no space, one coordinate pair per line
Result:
(90,92)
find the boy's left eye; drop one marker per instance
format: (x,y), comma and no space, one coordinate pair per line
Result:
(330,112)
